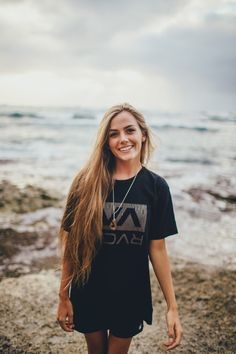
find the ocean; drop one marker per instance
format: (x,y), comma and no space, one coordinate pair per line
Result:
(195,152)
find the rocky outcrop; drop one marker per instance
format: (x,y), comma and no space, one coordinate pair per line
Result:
(29,198)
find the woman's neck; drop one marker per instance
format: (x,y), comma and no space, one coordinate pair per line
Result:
(126,169)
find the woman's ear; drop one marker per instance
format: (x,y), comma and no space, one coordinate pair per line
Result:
(143,138)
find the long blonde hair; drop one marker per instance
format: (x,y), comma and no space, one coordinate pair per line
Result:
(88,193)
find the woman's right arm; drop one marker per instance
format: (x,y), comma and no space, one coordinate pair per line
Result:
(65,310)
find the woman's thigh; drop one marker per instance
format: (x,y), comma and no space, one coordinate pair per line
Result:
(118,345)
(97,342)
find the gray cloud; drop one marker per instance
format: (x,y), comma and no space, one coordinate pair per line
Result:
(202,56)
(75,31)
(72,36)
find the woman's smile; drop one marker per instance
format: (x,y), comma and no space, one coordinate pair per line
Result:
(126,148)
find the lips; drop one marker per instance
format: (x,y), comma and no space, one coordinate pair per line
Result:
(126,148)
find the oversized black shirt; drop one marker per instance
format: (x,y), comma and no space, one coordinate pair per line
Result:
(119,283)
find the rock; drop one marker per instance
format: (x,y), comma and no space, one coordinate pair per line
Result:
(26,252)
(222,195)
(29,198)
(11,241)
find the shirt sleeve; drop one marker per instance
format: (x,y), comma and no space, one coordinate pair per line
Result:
(163,222)
(69,213)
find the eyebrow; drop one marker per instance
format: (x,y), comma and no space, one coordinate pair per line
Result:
(128,126)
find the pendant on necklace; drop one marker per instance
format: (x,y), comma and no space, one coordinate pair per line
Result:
(113,224)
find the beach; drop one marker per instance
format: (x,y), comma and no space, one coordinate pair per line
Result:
(36,172)
(206,300)
(30,281)
(119,119)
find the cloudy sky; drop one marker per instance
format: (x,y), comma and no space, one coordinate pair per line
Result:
(158,54)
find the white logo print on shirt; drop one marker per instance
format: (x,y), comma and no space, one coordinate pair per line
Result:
(131,222)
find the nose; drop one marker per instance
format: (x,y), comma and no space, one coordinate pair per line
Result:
(123,137)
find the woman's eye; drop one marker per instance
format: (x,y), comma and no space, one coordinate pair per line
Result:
(128,131)
(112,134)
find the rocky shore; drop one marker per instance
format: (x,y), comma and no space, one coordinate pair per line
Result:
(206,300)
(29,281)
(23,200)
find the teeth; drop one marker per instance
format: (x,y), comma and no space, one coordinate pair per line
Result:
(126,148)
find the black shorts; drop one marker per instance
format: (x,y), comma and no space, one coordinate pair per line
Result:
(122,330)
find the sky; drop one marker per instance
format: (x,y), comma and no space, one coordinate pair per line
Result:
(155,54)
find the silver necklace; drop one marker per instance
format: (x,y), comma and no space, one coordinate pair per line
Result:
(113,223)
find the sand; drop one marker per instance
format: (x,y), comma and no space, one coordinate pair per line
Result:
(29,284)
(206,300)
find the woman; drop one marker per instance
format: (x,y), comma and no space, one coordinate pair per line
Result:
(117,216)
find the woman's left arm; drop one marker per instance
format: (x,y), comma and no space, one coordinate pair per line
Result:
(161,266)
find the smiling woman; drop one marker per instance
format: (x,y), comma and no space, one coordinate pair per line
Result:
(125,138)
(117,216)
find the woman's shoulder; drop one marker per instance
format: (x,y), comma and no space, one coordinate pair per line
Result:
(155,178)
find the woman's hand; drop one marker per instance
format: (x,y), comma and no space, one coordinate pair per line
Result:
(65,314)
(174,329)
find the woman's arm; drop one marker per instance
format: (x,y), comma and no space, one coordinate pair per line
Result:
(65,310)
(161,266)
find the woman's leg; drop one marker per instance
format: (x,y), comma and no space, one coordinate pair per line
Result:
(118,345)
(97,342)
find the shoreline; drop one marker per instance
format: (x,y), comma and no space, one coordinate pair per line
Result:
(30,218)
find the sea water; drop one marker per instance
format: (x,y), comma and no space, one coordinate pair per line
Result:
(47,147)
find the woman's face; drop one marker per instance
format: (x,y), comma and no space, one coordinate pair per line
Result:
(125,137)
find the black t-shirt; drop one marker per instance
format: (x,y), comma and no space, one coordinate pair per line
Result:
(119,283)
